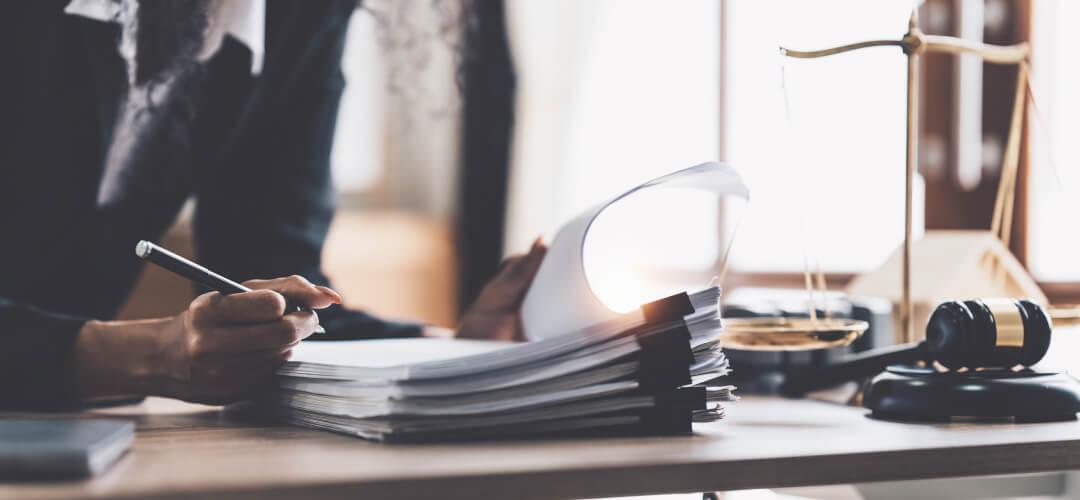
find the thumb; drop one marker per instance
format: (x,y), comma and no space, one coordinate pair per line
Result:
(518,275)
(507,289)
(532,262)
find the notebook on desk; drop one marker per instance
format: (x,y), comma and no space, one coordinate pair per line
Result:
(61,449)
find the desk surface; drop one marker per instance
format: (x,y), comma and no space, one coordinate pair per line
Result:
(184,450)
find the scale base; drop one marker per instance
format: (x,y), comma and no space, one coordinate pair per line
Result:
(910,393)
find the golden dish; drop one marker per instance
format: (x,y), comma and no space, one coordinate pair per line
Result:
(1065,314)
(790,334)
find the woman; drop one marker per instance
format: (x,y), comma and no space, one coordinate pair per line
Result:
(115,113)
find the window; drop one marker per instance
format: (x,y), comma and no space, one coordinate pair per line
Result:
(612,93)
(396,143)
(828,182)
(394,163)
(357,159)
(1053,244)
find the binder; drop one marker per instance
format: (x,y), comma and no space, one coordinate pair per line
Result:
(665,358)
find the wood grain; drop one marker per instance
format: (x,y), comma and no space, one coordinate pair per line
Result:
(186,450)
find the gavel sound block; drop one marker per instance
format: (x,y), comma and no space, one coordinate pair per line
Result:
(987,348)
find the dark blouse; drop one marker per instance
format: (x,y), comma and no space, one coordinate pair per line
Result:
(258,167)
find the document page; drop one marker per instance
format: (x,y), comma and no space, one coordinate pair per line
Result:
(560,300)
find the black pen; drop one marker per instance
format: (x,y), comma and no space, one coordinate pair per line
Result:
(194,272)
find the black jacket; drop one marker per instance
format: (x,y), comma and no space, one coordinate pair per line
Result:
(258,168)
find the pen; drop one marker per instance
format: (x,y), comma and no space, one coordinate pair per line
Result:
(199,274)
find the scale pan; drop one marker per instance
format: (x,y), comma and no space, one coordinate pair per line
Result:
(1065,315)
(789,334)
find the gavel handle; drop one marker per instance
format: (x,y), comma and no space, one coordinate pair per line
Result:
(853,367)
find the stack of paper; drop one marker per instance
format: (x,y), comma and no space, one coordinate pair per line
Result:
(630,374)
(585,368)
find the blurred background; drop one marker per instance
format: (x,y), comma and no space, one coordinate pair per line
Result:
(468,128)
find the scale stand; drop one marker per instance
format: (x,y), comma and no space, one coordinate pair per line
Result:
(912,393)
(905,392)
(913,44)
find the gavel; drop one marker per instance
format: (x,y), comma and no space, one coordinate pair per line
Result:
(969,334)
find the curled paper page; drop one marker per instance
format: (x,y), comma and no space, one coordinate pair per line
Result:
(561,300)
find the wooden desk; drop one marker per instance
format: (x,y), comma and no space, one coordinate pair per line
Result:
(185,450)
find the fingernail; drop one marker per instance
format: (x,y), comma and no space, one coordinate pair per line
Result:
(336,297)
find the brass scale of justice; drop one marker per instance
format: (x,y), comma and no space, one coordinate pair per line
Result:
(975,360)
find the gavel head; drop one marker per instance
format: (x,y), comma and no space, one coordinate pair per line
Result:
(988,333)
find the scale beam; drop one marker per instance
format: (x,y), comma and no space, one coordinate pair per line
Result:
(916,42)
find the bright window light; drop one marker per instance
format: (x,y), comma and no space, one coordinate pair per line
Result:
(357,157)
(829,182)
(613,93)
(1053,244)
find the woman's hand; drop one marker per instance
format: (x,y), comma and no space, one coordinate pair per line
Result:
(495,315)
(221,349)
(223,346)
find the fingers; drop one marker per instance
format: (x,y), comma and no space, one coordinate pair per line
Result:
(499,326)
(532,261)
(523,267)
(517,274)
(259,363)
(298,290)
(269,301)
(504,328)
(248,307)
(227,346)
(272,336)
(222,380)
(504,293)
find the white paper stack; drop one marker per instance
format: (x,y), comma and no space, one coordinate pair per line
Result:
(624,375)
(586,369)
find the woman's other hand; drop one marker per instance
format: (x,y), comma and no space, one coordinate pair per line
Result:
(496,312)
